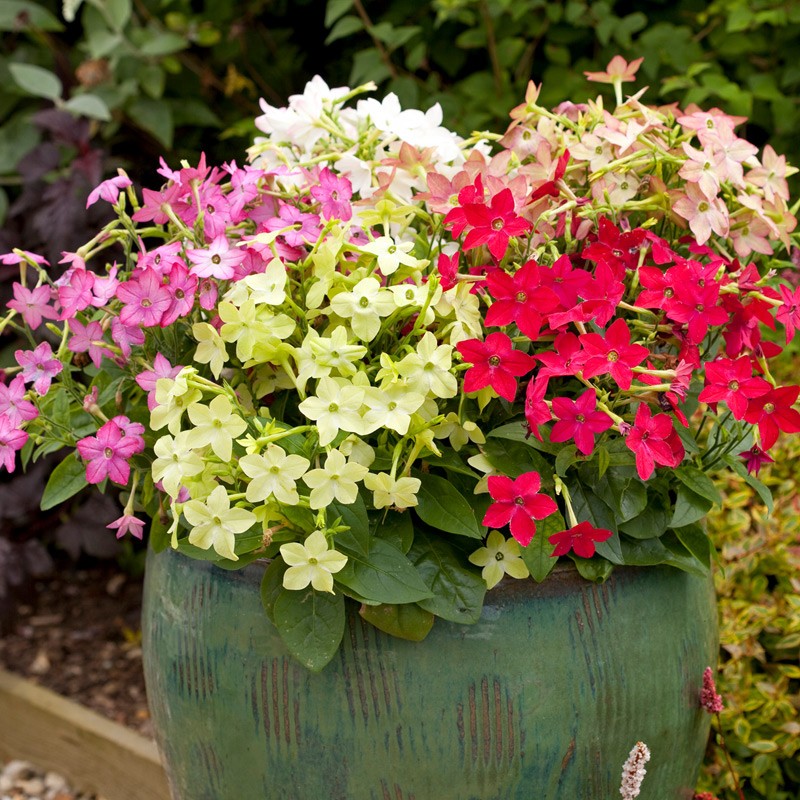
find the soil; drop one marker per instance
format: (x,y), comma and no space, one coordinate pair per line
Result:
(82,639)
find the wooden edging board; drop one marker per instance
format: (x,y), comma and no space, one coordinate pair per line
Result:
(91,752)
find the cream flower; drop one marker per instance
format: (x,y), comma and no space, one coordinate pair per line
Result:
(215,424)
(428,370)
(336,407)
(215,523)
(391,407)
(391,254)
(211,348)
(389,491)
(173,397)
(274,474)
(311,562)
(175,461)
(364,307)
(335,481)
(499,557)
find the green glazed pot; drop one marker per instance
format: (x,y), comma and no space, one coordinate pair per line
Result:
(541,700)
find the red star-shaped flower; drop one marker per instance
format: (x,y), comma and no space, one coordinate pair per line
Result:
(518,503)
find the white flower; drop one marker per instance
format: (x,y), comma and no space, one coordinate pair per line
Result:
(388,491)
(215,523)
(210,348)
(268,287)
(364,307)
(633,771)
(391,407)
(428,370)
(274,474)
(336,407)
(499,557)
(311,562)
(175,460)
(215,424)
(173,397)
(391,254)
(335,481)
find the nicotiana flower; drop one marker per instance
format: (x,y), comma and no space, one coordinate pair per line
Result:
(312,562)
(335,407)
(499,557)
(388,491)
(364,307)
(175,462)
(336,480)
(215,524)
(518,503)
(273,474)
(216,424)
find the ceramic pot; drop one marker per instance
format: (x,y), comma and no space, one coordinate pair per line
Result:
(541,700)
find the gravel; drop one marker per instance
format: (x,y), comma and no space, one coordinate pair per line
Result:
(20,780)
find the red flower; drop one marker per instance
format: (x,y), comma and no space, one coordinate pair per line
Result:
(495,363)
(653,441)
(773,412)
(520,298)
(456,218)
(580,539)
(614,248)
(517,504)
(732,382)
(613,354)
(495,224)
(537,412)
(566,358)
(579,420)
(789,313)
(755,458)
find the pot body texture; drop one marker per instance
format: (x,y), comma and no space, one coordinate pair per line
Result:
(542,699)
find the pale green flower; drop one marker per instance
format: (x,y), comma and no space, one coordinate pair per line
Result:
(311,562)
(389,491)
(268,287)
(336,407)
(364,307)
(173,397)
(335,481)
(391,254)
(215,524)
(175,461)
(391,407)
(499,557)
(211,348)
(274,474)
(459,434)
(217,425)
(428,370)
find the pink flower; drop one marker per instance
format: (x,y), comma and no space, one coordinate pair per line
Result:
(76,295)
(788,314)
(13,405)
(618,70)
(579,420)
(613,354)
(494,225)
(704,215)
(218,260)
(160,259)
(88,338)
(107,454)
(537,412)
(147,380)
(105,288)
(33,305)
(755,458)
(650,441)
(772,411)
(127,523)
(333,193)
(12,439)
(709,699)
(23,255)
(39,367)
(732,382)
(145,300)
(520,298)
(132,441)
(125,336)
(517,503)
(109,190)
(495,363)
(303,227)
(182,286)
(580,539)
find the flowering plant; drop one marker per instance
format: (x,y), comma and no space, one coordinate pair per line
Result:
(402,365)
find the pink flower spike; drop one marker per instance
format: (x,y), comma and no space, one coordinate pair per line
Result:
(518,503)
(109,190)
(39,367)
(13,405)
(127,523)
(12,439)
(32,305)
(709,699)
(580,539)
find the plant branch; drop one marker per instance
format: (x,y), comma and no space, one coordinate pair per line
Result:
(491,44)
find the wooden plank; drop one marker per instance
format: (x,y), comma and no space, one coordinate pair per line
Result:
(93,753)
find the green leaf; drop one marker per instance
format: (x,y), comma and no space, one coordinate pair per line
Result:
(117,12)
(36,81)
(311,625)
(689,507)
(394,527)
(335,9)
(357,539)
(567,456)
(457,591)
(764,492)
(3,205)
(596,570)
(644,552)
(66,480)
(272,585)
(653,521)
(162,44)
(20,14)
(623,492)
(513,458)
(406,621)
(699,483)
(346,26)
(443,507)
(680,558)
(159,538)
(154,116)
(384,576)
(518,432)
(603,460)
(538,555)
(88,105)
(696,541)
(17,137)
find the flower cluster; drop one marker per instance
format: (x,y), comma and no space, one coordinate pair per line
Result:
(376,346)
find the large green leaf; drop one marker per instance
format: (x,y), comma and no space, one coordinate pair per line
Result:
(153,116)
(406,621)
(699,483)
(696,541)
(384,576)
(538,555)
(36,81)
(311,625)
(357,539)
(395,527)
(17,14)
(653,521)
(513,458)
(689,507)
(66,480)
(272,585)
(457,591)
(623,492)
(443,507)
